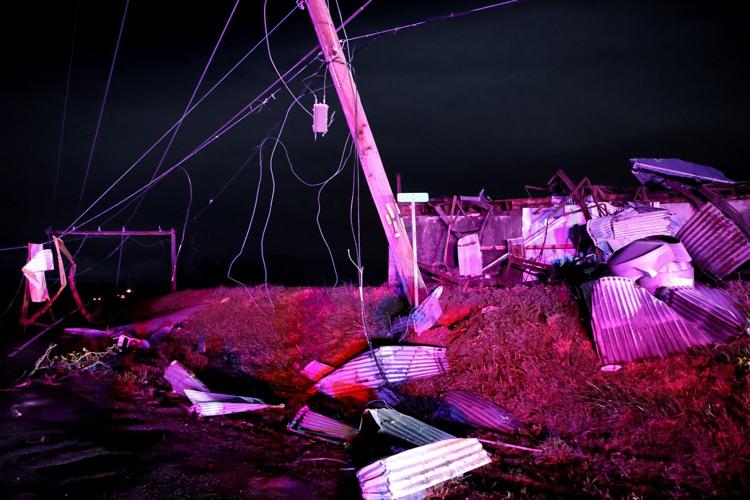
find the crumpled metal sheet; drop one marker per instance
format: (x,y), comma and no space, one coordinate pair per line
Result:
(40,260)
(711,310)
(215,408)
(314,425)
(630,324)
(428,312)
(409,429)
(631,224)
(213,397)
(654,261)
(652,169)
(415,470)
(399,363)
(181,378)
(718,246)
(469,255)
(470,409)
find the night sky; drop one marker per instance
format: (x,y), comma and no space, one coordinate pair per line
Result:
(495,100)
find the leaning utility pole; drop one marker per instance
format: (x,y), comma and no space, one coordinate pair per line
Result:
(369,157)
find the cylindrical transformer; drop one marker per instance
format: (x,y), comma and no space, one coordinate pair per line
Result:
(320,118)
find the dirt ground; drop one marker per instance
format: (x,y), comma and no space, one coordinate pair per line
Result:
(657,428)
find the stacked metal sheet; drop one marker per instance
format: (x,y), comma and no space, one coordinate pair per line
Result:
(711,310)
(629,225)
(417,469)
(317,426)
(718,246)
(629,324)
(469,409)
(398,363)
(411,430)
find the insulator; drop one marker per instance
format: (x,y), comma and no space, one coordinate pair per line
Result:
(320,118)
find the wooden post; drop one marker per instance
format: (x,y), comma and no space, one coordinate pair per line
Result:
(369,157)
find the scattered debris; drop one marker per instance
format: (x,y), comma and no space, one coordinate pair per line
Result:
(215,408)
(399,363)
(467,408)
(39,261)
(655,169)
(317,426)
(415,470)
(182,379)
(409,429)
(125,342)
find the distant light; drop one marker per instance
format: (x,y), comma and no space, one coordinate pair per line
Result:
(129,290)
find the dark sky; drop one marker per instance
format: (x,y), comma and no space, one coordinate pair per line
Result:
(495,100)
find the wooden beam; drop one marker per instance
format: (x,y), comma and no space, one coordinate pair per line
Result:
(367,150)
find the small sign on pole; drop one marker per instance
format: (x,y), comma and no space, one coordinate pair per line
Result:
(414,198)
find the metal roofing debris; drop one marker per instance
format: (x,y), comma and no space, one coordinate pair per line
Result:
(399,363)
(654,261)
(428,312)
(469,256)
(40,260)
(712,310)
(631,224)
(629,323)
(315,370)
(645,169)
(210,404)
(470,409)
(182,379)
(718,246)
(317,426)
(411,430)
(124,342)
(209,397)
(214,408)
(417,469)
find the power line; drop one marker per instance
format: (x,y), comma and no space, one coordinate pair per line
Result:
(429,20)
(166,133)
(189,103)
(103,105)
(65,109)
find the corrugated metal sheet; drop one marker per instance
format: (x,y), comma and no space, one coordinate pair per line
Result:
(469,256)
(314,425)
(629,324)
(715,242)
(208,397)
(214,408)
(646,169)
(181,378)
(399,363)
(629,225)
(469,409)
(315,370)
(404,427)
(416,470)
(712,310)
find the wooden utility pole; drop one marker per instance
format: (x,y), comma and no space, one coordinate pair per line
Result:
(369,157)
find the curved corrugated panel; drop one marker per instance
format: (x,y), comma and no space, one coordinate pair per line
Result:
(404,427)
(467,408)
(712,310)
(416,470)
(399,363)
(181,378)
(629,324)
(629,225)
(315,425)
(714,241)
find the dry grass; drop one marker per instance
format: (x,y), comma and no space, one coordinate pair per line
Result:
(672,427)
